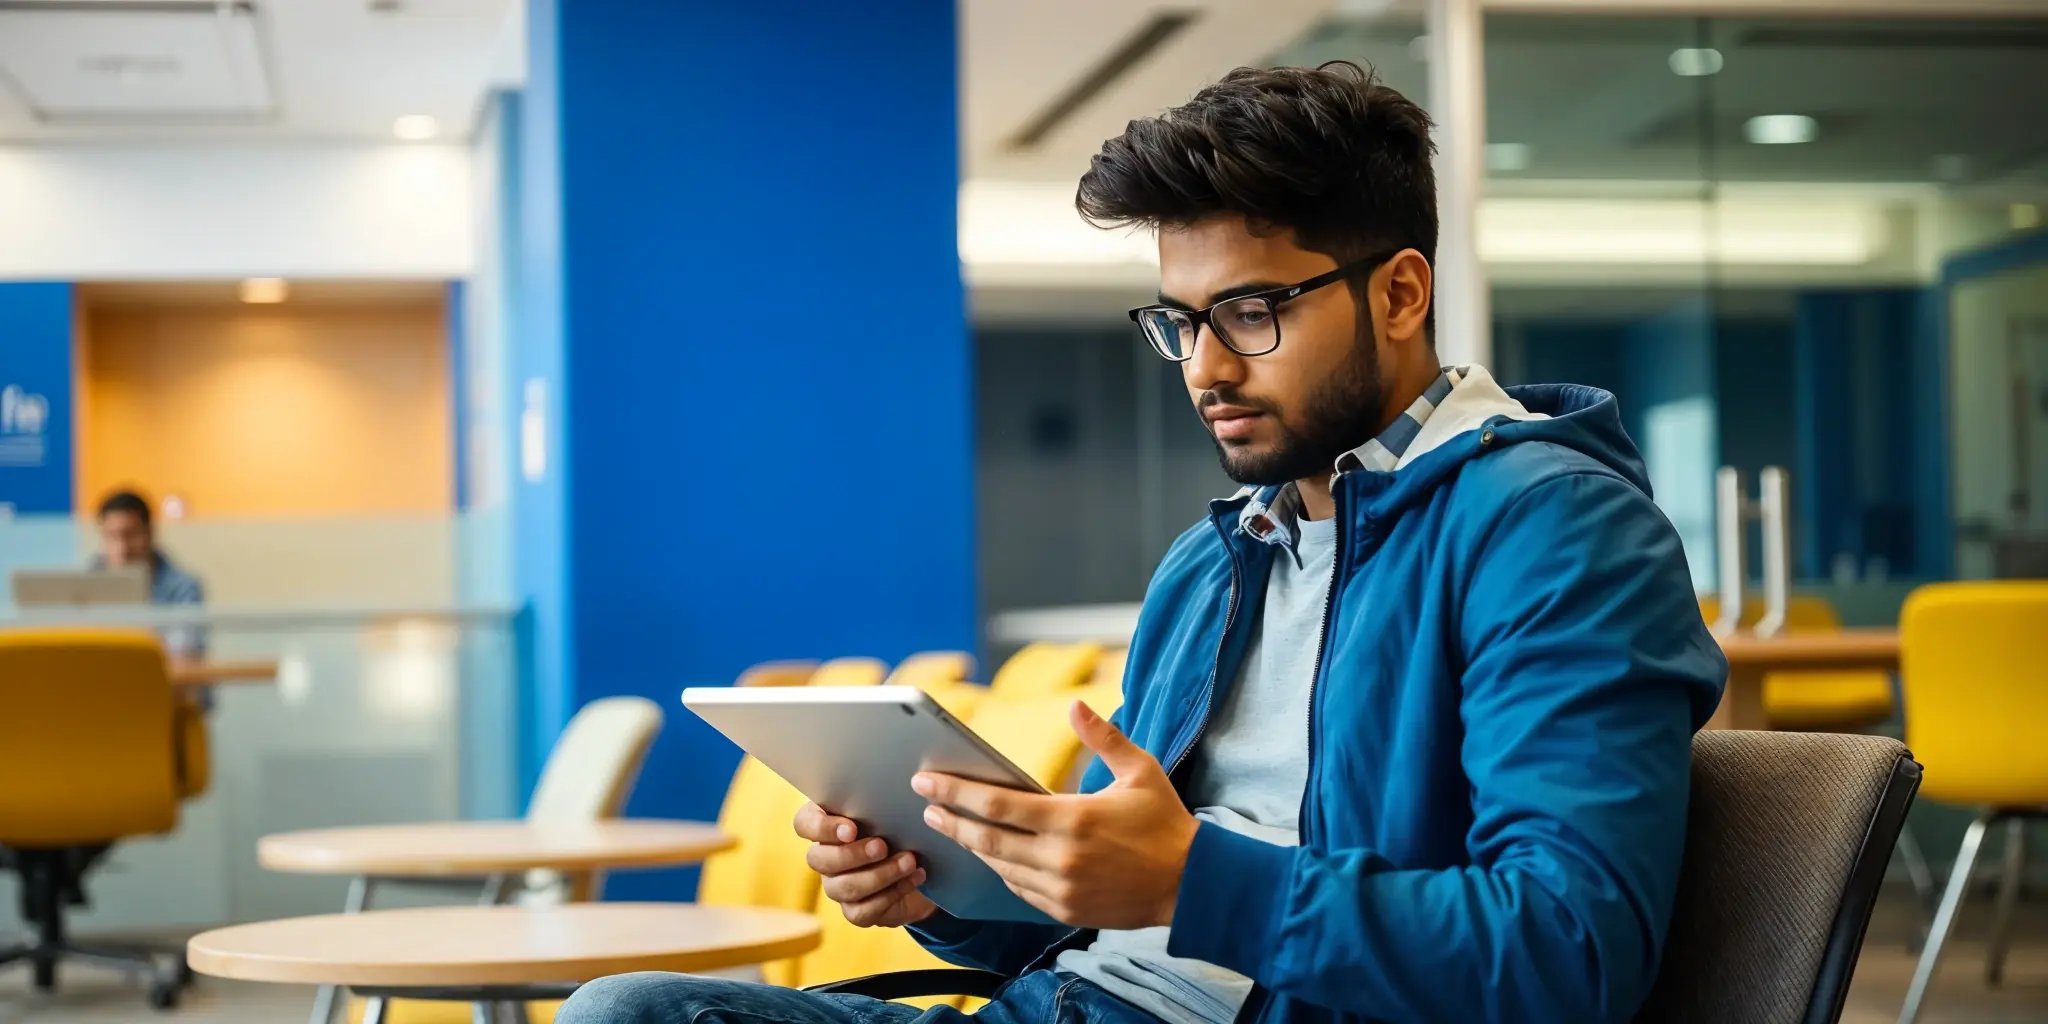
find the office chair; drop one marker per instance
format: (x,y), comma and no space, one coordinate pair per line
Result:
(96,747)
(1970,657)
(1786,846)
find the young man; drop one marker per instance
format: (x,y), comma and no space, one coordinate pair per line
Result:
(1406,724)
(128,539)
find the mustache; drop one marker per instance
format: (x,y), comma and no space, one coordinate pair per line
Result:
(1229,396)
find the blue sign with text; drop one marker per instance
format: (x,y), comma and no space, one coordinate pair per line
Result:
(35,398)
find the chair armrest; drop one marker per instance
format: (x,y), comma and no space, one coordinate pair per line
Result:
(937,981)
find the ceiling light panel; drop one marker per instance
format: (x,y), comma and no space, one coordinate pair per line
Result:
(175,61)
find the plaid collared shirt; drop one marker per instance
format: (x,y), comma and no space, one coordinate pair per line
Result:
(1273,522)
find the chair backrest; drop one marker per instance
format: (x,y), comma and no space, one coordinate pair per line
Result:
(1970,657)
(1804,613)
(88,737)
(931,669)
(591,771)
(767,868)
(849,672)
(1046,667)
(1033,731)
(1787,840)
(778,673)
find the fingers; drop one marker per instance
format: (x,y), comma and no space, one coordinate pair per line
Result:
(898,905)
(867,883)
(838,859)
(815,824)
(1125,759)
(990,841)
(1030,812)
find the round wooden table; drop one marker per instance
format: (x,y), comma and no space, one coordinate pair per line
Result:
(1751,658)
(495,955)
(482,848)
(491,851)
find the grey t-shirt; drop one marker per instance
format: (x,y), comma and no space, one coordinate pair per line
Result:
(1247,775)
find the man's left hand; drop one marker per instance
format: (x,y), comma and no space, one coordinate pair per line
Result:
(1110,859)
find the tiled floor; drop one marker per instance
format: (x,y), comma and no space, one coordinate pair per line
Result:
(1960,997)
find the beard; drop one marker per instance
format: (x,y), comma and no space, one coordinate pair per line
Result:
(1337,416)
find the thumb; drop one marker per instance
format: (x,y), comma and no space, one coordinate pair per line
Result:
(1126,760)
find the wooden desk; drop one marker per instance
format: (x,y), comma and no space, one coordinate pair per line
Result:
(1751,658)
(213,673)
(486,954)
(477,848)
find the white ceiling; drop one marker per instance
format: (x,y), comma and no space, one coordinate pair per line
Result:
(1018,57)
(307,69)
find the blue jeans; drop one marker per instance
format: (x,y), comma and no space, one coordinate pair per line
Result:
(1041,997)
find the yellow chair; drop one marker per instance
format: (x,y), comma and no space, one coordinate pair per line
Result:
(849,672)
(95,747)
(1814,701)
(778,673)
(932,669)
(767,868)
(1970,659)
(1046,668)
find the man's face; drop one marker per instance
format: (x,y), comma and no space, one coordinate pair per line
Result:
(124,539)
(1287,414)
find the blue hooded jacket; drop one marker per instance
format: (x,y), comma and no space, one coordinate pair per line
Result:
(1499,738)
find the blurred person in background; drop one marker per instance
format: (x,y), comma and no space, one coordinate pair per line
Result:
(1407,721)
(128,540)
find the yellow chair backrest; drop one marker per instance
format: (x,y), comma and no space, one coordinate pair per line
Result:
(778,673)
(767,868)
(1046,668)
(933,669)
(849,672)
(1970,661)
(1804,613)
(89,737)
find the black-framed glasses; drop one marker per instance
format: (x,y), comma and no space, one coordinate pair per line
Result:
(1248,325)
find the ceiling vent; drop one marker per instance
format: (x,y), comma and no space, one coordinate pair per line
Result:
(137,62)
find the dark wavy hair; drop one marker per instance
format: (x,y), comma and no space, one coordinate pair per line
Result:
(1329,154)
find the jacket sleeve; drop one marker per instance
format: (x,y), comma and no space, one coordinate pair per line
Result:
(1586,670)
(1005,947)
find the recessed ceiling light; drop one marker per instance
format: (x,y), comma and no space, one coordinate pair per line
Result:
(1696,61)
(1780,129)
(264,290)
(1951,166)
(1507,156)
(416,127)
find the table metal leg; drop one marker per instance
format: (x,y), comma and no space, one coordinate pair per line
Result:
(481,1012)
(326,998)
(496,888)
(373,1010)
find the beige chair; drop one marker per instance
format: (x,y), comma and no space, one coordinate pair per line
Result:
(588,777)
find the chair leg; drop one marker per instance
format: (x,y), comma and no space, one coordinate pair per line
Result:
(1924,893)
(2008,895)
(1945,916)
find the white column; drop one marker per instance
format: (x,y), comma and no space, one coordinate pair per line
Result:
(1457,100)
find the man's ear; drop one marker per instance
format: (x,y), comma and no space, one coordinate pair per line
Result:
(1409,290)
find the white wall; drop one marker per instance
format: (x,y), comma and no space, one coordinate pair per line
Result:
(83,212)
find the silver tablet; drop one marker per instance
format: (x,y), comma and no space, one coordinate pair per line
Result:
(853,749)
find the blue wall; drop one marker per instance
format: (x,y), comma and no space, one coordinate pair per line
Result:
(36,381)
(742,288)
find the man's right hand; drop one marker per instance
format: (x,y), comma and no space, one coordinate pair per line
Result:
(873,888)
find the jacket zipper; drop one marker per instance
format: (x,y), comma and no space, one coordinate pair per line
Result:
(1216,663)
(1322,648)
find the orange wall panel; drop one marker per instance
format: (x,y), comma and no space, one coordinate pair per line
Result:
(268,411)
